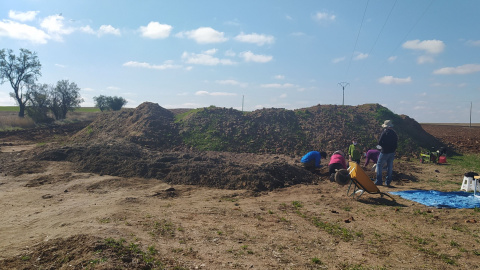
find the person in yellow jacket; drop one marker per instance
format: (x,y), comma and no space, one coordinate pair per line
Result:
(354,151)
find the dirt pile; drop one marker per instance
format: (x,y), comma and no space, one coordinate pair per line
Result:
(261,131)
(213,169)
(257,151)
(322,127)
(148,125)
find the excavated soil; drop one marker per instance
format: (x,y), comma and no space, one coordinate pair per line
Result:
(73,197)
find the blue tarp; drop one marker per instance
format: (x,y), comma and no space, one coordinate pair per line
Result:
(433,198)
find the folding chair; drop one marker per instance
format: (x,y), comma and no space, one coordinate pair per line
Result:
(361,183)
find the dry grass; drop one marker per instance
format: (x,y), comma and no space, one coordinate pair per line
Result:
(9,120)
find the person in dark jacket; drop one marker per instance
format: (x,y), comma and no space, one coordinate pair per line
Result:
(388,145)
(312,159)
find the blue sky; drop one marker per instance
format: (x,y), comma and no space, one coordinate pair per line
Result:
(419,58)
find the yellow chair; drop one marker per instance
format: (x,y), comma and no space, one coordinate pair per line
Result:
(361,183)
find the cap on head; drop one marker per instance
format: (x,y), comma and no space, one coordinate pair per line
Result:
(387,123)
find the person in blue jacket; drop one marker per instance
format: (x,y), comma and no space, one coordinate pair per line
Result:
(312,159)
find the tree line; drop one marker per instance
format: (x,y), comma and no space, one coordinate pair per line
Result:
(38,100)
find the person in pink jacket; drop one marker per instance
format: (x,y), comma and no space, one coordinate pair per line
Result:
(337,162)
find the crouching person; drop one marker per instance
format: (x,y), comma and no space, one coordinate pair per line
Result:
(337,162)
(311,160)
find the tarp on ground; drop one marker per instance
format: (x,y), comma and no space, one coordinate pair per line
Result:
(439,199)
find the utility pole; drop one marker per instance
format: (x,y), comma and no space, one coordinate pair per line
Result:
(243,99)
(343,85)
(470,114)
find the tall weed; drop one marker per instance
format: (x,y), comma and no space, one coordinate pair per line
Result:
(8,122)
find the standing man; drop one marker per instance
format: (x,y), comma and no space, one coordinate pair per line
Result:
(388,144)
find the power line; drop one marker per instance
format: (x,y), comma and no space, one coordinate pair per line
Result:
(358,35)
(411,29)
(381,30)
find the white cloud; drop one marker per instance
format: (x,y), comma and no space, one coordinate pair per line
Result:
(87,29)
(22,16)
(258,58)
(166,65)
(230,53)
(155,30)
(475,43)
(21,31)
(279,77)
(113,88)
(60,65)
(255,38)
(392,58)
(231,82)
(429,46)
(338,60)
(425,59)
(108,30)
(393,80)
(204,35)
(465,69)
(55,27)
(298,34)
(88,89)
(206,93)
(206,58)
(277,85)
(184,105)
(419,108)
(360,56)
(283,95)
(210,52)
(102,30)
(324,16)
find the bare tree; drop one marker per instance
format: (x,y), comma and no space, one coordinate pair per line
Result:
(20,71)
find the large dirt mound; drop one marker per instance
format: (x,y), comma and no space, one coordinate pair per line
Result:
(278,131)
(322,127)
(257,151)
(261,131)
(212,169)
(147,125)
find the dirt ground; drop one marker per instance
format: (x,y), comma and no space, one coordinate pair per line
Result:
(56,215)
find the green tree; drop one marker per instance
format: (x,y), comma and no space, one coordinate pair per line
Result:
(38,102)
(20,71)
(116,103)
(109,103)
(101,102)
(64,97)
